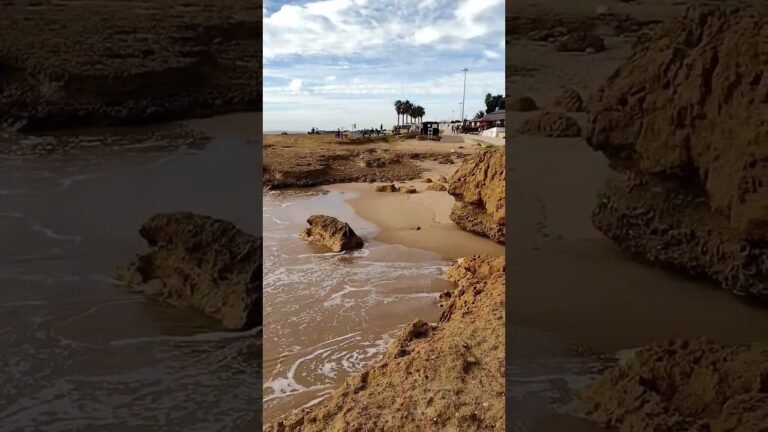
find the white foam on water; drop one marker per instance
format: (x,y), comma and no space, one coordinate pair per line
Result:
(65,183)
(53,235)
(313,402)
(199,337)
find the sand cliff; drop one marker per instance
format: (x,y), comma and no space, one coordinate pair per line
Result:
(684,123)
(478,186)
(433,377)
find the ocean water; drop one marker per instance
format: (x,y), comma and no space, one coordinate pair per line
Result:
(79,351)
(328,315)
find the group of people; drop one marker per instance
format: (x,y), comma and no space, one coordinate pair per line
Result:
(457,128)
(364,132)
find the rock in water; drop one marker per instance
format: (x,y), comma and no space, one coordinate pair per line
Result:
(479,189)
(684,120)
(331,233)
(551,125)
(201,263)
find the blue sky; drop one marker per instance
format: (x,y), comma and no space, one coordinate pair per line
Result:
(333,63)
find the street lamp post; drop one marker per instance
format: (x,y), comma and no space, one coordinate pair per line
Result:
(464,93)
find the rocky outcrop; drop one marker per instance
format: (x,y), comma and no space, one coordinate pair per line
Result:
(551,125)
(683,385)
(580,42)
(201,263)
(332,233)
(443,376)
(684,123)
(71,65)
(479,189)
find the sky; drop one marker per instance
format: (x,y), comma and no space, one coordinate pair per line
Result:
(334,63)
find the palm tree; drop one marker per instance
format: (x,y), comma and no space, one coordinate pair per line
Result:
(479,114)
(418,112)
(407,107)
(398,110)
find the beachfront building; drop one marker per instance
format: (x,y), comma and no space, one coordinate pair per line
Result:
(430,128)
(491,124)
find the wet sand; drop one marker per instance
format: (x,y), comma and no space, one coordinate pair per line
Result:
(398,215)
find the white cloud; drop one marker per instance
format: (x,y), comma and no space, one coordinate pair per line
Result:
(296,86)
(332,63)
(357,27)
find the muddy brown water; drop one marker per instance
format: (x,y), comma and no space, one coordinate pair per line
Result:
(329,315)
(78,351)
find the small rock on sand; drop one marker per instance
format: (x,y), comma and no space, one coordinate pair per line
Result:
(386,188)
(570,100)
(332,233)
(523,104)
(442,179)
(427,180)
(439,187)
(407,189)
(553,125)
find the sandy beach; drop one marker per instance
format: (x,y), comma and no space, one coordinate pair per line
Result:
(405,235)
(399,215)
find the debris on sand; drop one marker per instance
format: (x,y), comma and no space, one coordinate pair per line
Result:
(683,385)
(386,188)
(683,122)
(580,42)
(201,263)
(407,189)
(551,125)
(444,376)
(332,233)
(478,186)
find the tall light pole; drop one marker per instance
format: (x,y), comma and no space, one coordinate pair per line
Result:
(464,93)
